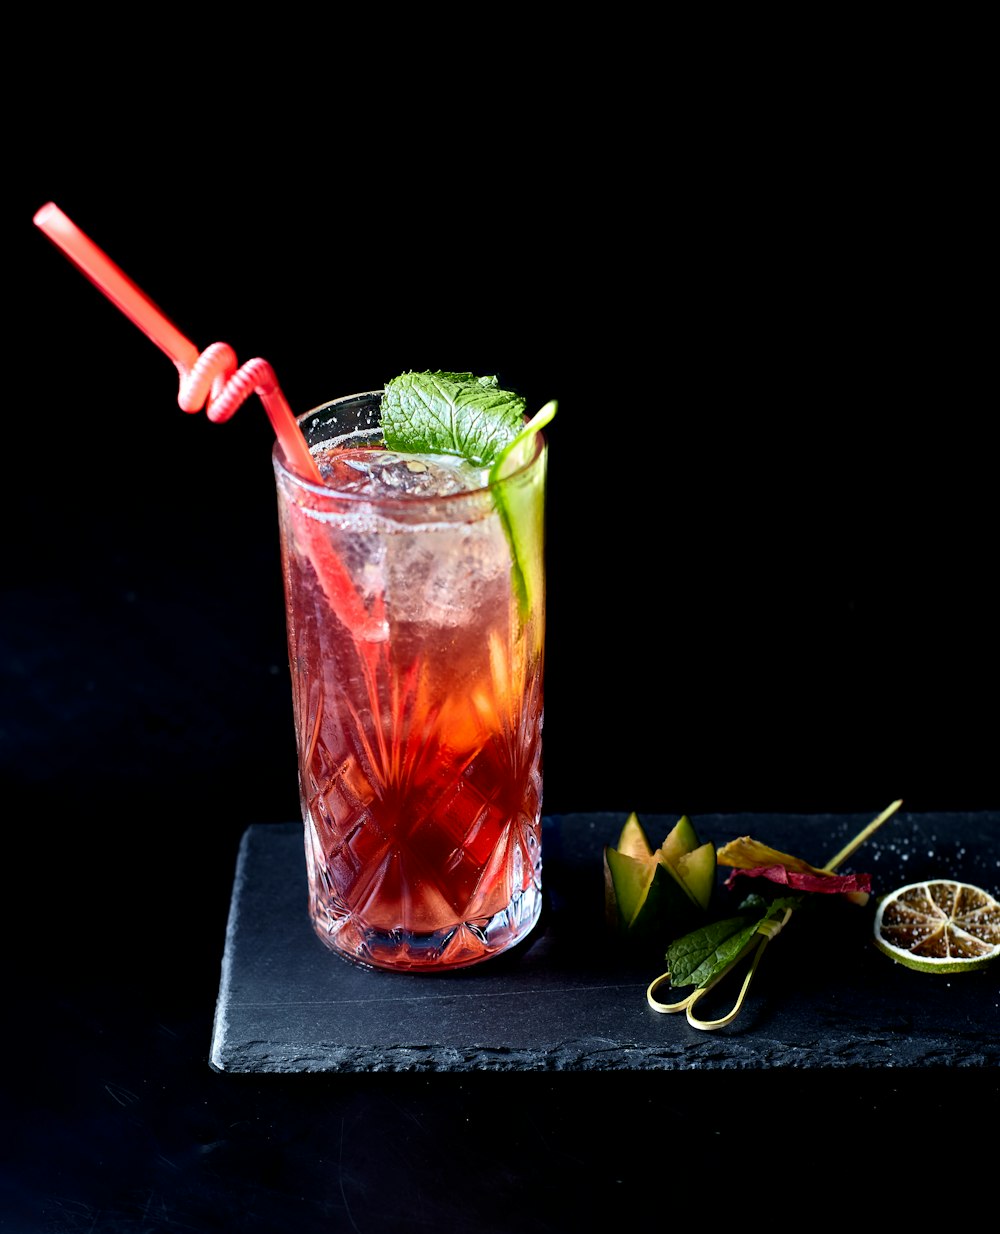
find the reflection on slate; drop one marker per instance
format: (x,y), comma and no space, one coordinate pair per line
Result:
(567,999)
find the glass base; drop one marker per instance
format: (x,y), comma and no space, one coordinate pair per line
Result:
(459,946)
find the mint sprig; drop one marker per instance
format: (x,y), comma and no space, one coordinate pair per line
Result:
(451,413)
(435,412)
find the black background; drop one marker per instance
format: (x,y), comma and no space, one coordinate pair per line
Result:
(771,516)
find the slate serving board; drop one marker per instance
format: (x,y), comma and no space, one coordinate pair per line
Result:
(568,999)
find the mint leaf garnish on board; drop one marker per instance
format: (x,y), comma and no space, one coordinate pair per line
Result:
(706,953)
(450,413)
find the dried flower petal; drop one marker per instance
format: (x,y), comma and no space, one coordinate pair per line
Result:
(805,880)
(746,853)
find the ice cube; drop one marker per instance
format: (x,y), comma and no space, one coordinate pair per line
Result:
(385,473)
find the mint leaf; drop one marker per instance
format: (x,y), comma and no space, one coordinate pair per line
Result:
(698,957)
(695,958)
(451,413)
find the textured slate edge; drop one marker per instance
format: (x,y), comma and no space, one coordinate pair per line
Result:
(597,1055)
(220,1023)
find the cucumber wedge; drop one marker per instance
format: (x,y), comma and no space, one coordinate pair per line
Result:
(653,895)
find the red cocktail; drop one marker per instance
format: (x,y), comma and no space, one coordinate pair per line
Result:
(416,652)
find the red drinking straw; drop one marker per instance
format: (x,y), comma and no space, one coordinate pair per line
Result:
(212,376)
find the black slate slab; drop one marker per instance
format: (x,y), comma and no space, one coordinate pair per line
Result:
(568,1000)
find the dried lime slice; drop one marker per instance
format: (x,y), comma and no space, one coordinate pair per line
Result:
(939,926)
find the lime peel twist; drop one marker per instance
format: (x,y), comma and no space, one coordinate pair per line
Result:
(515,455)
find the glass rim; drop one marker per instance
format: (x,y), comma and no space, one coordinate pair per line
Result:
(411,500)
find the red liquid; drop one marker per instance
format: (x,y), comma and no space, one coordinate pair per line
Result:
(419,745)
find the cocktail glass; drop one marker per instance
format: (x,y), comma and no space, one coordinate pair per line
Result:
(415,612)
